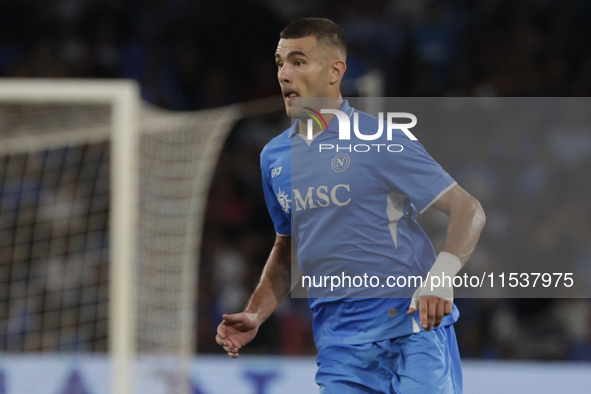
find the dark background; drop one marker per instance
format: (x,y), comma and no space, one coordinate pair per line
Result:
(191,55)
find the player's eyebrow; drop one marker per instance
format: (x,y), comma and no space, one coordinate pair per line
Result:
(291,54)
(296,53)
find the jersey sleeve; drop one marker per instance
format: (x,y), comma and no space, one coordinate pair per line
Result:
(281,220)
(415,174)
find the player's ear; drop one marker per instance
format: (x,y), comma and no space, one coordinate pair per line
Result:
(337,71)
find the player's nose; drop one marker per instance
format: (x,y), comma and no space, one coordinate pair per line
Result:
(284,75)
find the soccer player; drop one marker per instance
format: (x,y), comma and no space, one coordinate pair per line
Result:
(358,209)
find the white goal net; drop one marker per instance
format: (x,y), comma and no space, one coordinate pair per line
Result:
(101,207)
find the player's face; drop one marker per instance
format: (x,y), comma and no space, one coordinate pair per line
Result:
(303,69)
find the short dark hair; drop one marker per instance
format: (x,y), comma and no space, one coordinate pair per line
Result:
(322,28)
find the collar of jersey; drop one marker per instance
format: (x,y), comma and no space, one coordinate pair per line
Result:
(333,126)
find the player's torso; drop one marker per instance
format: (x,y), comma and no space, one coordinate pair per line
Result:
(345,218)
(342,216)
(338,203)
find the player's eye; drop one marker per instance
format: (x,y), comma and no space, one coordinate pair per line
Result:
(298,62)
(279,64)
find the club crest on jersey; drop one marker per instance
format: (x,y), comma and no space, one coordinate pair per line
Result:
(283,201)
(340,162)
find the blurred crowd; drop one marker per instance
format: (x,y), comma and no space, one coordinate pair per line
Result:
(196,54)
(192,54)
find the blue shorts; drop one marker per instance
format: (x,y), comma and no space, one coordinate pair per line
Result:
(424,362)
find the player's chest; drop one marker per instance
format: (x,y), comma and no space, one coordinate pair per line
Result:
(330,180)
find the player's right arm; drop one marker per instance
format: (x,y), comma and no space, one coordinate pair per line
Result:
(236,330)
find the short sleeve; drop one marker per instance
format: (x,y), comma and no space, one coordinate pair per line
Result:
(415,174)
(281,219)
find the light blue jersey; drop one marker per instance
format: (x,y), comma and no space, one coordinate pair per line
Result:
(353,213)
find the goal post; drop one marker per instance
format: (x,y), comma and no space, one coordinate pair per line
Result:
(124,99)
(123,233)
(86,150)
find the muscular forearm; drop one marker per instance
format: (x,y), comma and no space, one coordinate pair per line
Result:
(466,220)
(275,281)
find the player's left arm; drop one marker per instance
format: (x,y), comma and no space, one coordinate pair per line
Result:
(466,220)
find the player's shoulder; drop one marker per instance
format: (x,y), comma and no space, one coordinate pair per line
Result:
(369,124)
(364,117)
(367,121)
(278,146)
(278,143)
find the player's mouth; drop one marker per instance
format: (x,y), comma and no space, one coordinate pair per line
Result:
(290,95)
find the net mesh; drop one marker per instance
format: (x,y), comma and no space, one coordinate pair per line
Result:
(54,201)
(176,150)
(54,224)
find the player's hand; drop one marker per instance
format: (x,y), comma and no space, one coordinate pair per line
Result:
(436,300)
(431,309)
(235,331)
